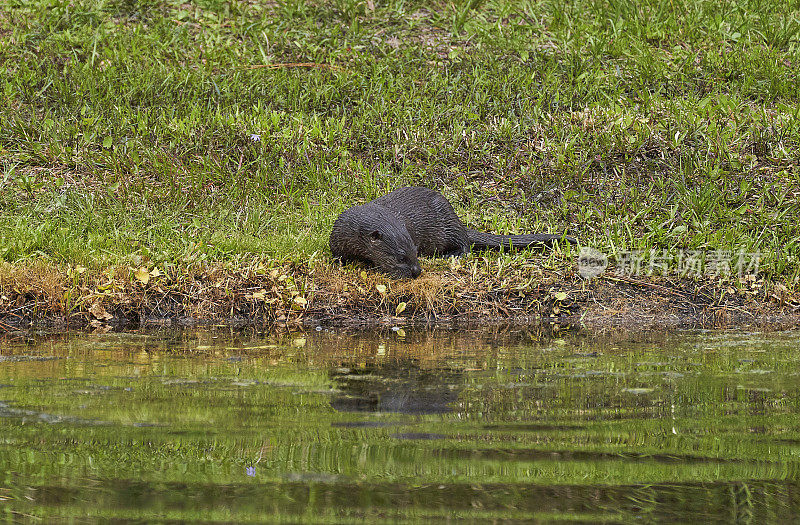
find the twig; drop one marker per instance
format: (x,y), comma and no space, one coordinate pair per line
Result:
(9,312)
(742,310)
(26,305)
(293,64)
(644,283)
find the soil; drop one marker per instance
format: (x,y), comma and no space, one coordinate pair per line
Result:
(301,296)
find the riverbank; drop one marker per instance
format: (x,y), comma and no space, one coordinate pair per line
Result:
(474,290)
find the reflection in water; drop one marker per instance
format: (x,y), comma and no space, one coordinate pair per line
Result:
(236,426)
(399,386)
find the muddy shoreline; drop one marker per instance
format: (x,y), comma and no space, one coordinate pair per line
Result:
(304,296)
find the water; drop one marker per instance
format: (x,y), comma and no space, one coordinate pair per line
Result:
(410,426)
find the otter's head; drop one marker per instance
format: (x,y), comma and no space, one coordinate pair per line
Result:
(376,234)
(393,252)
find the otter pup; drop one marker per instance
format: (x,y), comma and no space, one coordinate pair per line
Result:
(391,231)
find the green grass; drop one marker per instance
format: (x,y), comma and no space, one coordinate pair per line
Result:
(126,128)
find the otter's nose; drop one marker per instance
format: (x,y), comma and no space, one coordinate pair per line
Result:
(416,270)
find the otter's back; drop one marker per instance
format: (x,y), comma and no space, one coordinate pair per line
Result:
(430,219)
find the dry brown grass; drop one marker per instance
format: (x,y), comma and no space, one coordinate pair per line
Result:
(287,294)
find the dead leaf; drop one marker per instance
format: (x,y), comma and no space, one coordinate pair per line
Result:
(300,302)
(99,326)
(98,312)
(142,275)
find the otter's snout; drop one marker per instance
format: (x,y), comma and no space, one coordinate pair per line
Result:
(410,271)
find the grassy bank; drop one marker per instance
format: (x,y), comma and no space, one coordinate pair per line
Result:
(160,134)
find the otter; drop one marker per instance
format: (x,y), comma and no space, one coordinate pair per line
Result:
(391,231)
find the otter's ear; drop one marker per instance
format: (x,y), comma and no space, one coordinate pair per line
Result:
(375,235)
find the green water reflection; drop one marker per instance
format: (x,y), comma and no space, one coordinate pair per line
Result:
(419,426)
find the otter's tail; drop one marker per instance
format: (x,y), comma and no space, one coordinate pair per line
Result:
(486,241)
